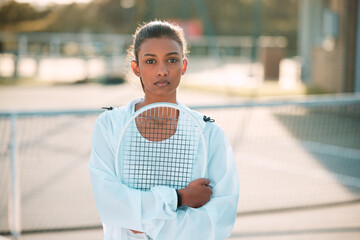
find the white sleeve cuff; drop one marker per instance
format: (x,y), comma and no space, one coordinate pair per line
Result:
(167,195)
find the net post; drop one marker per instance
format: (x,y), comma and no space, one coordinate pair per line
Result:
(14,216)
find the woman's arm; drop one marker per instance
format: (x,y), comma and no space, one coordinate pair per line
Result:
(155,212)
(117,204)
(216,218)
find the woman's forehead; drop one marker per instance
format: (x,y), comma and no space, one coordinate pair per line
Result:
(159,46)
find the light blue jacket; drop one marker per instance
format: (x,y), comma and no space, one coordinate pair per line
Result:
(155,212)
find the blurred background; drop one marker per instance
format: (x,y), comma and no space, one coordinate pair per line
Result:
(281,77)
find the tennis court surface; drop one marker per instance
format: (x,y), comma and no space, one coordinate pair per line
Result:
(298,161)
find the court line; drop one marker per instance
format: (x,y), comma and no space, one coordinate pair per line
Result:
(297,232)
(331,150)
(298,170)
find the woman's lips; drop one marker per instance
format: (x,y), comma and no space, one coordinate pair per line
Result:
(162,83)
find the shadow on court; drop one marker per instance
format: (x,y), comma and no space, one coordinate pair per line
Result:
(332,136)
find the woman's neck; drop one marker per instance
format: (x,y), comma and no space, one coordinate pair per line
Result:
(149,100)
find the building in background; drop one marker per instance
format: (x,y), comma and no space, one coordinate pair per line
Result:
(329,44)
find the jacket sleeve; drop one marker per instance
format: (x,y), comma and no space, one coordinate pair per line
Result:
(117,204)
(154,212)
(215,219)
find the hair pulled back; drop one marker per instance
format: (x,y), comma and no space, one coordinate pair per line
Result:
(157,29)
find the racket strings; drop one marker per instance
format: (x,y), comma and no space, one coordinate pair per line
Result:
(158,124)
(159,151)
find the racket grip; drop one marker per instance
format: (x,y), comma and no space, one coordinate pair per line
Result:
(179,199)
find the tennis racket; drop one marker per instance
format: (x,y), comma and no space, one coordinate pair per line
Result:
(162,144)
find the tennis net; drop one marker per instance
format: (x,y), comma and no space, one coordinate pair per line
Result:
(290,154)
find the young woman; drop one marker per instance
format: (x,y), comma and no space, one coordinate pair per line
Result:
(206,208)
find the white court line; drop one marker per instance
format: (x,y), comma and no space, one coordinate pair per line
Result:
(332,150)
(298,170)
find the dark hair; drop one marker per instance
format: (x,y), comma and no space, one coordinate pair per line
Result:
(157,29)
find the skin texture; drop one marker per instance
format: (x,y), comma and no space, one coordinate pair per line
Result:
(197,193)
(160,67)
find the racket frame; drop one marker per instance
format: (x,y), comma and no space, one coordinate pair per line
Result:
(157,105)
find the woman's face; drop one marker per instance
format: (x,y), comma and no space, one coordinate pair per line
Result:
(160,66)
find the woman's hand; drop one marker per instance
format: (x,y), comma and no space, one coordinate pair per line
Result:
(197,193)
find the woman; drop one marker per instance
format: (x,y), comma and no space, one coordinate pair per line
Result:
(159,52)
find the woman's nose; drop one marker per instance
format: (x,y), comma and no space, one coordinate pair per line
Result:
(162,70)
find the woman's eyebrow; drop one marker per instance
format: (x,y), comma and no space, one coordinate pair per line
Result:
(172,53)
(149,54)
(154,55)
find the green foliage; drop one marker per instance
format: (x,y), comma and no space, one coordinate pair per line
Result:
(12,13)
(230,17)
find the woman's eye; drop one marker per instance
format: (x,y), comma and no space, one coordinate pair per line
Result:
(173,60)
(150,61)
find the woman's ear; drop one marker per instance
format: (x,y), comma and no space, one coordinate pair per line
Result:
(135,68)
(184,67)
